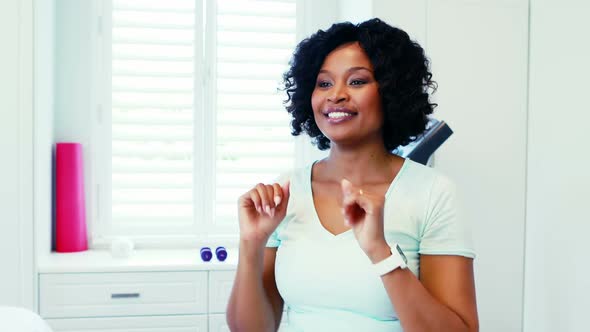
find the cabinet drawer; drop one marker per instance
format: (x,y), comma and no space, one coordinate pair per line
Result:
(220,286)
(122,294)
(193,323)
(217,323)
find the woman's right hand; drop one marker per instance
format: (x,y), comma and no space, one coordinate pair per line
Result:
(260,211)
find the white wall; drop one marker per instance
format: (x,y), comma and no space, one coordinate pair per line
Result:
(16,144)
(479,52)
(75,60)
(479,59)
(44,62)
(9,142)
(355,11)
(557,278)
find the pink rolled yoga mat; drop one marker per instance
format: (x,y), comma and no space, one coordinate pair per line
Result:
(70,224)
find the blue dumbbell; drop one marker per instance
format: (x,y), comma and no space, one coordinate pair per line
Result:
(221,253)
(206,254)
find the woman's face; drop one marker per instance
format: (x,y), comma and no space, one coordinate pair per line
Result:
(346,101)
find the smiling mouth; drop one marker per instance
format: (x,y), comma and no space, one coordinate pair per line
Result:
(339,113)
(339,116)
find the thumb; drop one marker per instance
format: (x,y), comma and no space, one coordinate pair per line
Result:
(347,187)
(286,188)
(286,191)
(284,200)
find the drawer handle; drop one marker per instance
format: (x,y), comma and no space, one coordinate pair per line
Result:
(124,296)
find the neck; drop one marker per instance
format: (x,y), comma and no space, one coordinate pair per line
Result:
(360,165)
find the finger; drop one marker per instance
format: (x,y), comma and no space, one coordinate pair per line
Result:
(249,199)
(277,194)
(347,187)
(270,194)
(349,200)
(367,202)
(286,187)
(277,197)
(363,199)
(281,196)
(265,199)
(281,193)
(349,194)
(351,209)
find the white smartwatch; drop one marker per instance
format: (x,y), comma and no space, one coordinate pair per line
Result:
(396,260)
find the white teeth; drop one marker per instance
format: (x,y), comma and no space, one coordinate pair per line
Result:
(337,115)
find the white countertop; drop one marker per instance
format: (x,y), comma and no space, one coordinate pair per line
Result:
(139,260)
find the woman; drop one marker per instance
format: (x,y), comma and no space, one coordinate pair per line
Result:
(362,240)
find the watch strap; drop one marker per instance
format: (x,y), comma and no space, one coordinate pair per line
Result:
(390,263)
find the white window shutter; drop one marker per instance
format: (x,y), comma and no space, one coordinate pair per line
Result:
(153,83)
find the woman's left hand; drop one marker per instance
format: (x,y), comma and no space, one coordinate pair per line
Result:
(363,212)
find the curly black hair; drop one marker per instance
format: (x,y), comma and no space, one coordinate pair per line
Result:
(401,70)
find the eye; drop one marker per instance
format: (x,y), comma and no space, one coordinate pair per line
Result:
(358,82)
(323,84)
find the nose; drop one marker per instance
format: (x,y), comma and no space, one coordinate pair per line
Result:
(338,94)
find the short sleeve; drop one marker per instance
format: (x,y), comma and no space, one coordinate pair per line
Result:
(446,231)
(274,241)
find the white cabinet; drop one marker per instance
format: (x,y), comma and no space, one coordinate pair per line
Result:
(217,323)
(122,294)
(163,301)
(166,301)
(220,285)
(192,323)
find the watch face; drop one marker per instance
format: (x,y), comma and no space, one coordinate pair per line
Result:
(401,253)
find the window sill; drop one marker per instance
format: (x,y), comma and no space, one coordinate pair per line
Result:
(138,261)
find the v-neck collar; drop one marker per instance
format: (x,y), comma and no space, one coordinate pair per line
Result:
(316,217)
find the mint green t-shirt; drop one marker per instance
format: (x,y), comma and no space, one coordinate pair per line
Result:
(326,280)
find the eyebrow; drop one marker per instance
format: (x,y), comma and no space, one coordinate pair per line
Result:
(351,69)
